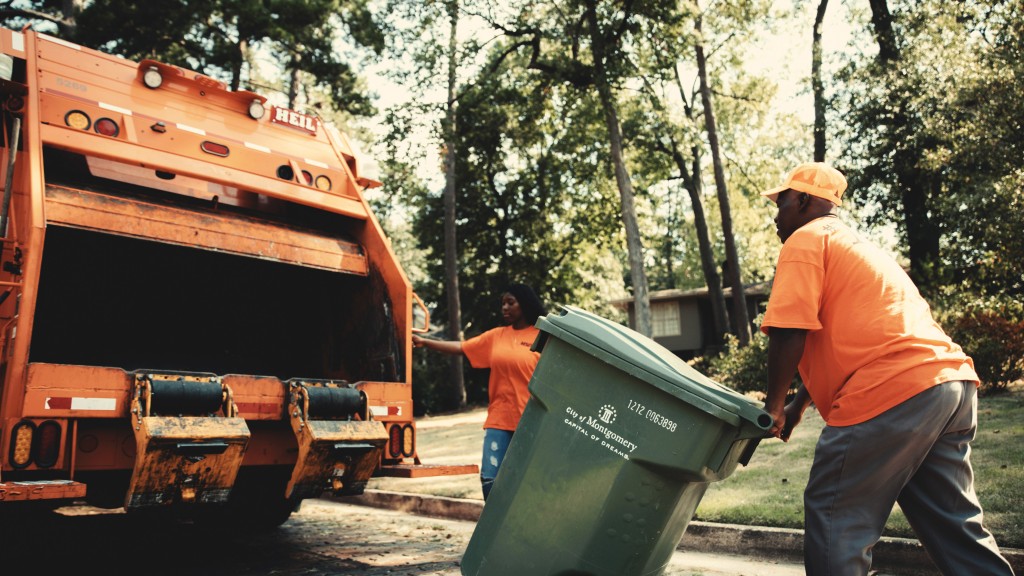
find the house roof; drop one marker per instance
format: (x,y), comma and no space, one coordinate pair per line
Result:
(756,289)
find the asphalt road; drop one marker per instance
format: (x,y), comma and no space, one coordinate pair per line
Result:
(324,537)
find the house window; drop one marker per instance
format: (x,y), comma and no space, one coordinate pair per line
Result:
(665,318)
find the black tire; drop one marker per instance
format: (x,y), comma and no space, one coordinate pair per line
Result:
(257,502)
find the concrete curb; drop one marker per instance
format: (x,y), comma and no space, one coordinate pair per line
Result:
(901,555)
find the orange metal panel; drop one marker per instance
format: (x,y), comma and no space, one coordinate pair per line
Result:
(389,401)
(209,231)
(62,391)
(159,160)
(258,397)
(28,204)
(244,154)
(50,50)
(221,115)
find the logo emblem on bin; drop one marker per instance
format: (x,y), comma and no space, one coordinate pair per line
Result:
(606,414)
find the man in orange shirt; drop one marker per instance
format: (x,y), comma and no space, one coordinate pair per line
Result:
(506,350)
(898,396)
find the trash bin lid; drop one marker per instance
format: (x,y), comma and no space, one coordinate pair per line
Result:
(646,359)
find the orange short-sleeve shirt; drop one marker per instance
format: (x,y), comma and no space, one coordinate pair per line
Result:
(872,342)
(506,351)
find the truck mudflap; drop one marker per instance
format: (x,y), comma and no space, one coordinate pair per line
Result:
(339,445)
(189,440)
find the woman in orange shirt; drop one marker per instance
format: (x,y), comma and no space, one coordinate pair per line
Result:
(506,350)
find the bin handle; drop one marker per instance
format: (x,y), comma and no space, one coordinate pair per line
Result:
(426,316)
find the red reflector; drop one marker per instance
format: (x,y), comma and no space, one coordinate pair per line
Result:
(107,127)
(47,444)
(308,177)
(393,410)
(215,149)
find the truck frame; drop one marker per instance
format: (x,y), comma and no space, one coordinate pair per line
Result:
(199,311)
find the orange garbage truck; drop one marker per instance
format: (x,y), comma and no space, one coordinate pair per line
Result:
(198,310)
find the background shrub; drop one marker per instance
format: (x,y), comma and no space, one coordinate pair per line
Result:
(991,332)
(744,369)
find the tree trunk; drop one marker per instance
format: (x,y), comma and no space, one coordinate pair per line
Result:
(451,257)
(817,86)
(70,9)
(692,180)
(740,319)
(914,187)
(236,64)
(634,245)
(294,81)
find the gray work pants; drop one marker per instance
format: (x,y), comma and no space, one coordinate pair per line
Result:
(916,454)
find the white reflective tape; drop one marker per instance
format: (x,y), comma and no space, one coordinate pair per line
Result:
(61,42)
(113,108)
(18,41)
(316,163)
(188,128)
(93,403)
(257,147)
(383,410)
(65,403)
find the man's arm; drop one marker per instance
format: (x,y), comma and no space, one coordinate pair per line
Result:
(785,348)
(795,412)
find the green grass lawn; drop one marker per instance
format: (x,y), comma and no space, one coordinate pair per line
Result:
(769,491)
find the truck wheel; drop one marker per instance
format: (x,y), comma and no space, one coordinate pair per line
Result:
(257,501)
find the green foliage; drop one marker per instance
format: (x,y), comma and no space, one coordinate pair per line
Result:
(742,368)
(932,140)
(991,332)
(533,204)
(231,39)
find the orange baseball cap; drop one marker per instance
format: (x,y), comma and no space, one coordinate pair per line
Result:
(815,178)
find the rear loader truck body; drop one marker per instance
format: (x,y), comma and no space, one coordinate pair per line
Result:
(198,310)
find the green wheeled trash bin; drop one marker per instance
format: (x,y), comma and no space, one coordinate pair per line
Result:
(617,445)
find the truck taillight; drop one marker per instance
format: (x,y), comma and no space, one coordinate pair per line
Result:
(215,149)
(285,172)
(395,441)
(256,109)
(408,440)
(401,440)
(152,77)
(47,444)
(107,127)
(21,443)
(78,119)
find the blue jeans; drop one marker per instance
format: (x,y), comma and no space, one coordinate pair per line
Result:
(495,444)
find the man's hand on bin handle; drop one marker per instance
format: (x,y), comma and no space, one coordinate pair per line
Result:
(794,413)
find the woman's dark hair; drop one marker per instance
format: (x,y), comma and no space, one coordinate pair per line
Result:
(529,303)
